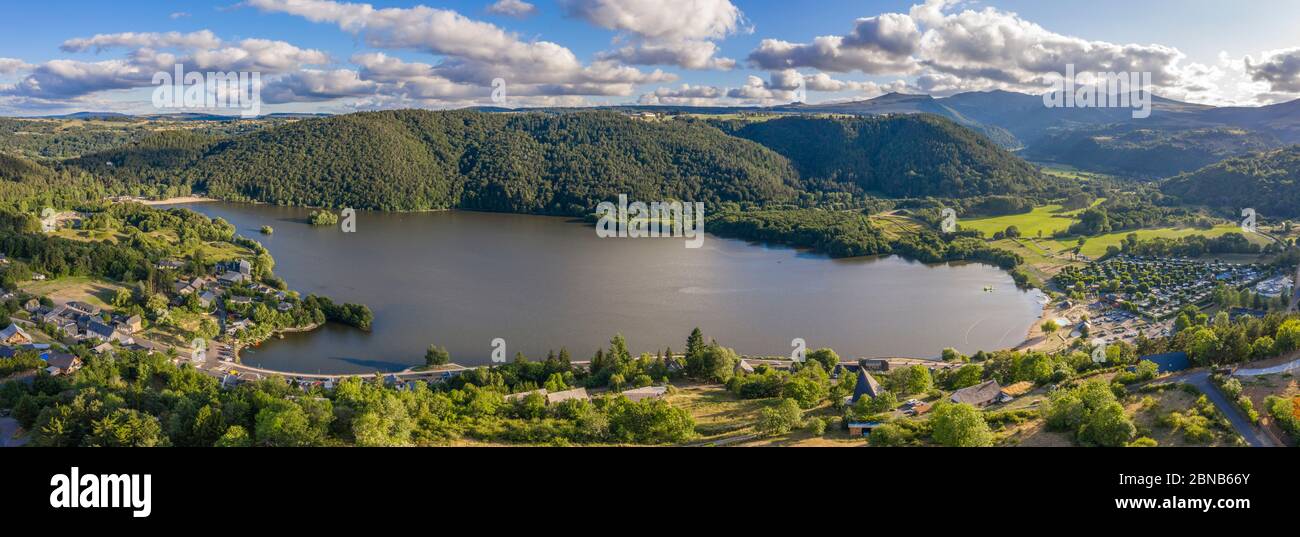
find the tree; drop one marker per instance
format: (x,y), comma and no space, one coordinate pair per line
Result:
(965,376)
(235,436)
(911,380)
(889,435)
(436,355)
(1050,326)
(713,363)
(960,425)
(384,423)
(1108,427)
(694,343)
(1203,346)
(826,356)
(781,419)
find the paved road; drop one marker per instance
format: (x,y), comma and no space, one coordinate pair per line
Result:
(1277,369)
(1254,435)
(9,426)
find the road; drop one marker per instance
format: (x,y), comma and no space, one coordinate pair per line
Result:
(1295,291)
(1254,435)
(9,426)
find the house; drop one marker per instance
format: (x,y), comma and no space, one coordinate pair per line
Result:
(982,394)
(206,299)
(102,332)
(132,324)
(743,367)
(231,278)
(862,428)
(866,386)
(576,394)
(241,300)
(283,306)
(1169,361)
(62,363)
(244,267)
(14,335)
(648,392)
(874,364)
(1015,390)
(514,397)
(169,264)
(103,348)
(83,307)
(32,305)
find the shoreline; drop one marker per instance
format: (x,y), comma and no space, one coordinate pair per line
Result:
(179,200)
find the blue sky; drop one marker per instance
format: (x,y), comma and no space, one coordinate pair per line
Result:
(326,55)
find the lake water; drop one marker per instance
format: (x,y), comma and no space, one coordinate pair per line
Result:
(461,279)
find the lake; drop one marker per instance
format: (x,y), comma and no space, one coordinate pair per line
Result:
(461,279)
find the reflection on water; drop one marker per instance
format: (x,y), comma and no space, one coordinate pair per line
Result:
(460,279)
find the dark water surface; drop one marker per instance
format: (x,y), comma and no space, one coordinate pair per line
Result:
(461,279)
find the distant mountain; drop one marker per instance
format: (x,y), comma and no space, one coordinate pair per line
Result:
(912,155)
(1124,149)
(419,159)
(1267,181)
(88,115)
(901,103)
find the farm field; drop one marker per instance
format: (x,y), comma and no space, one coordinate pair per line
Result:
(83,288)
(1043,221)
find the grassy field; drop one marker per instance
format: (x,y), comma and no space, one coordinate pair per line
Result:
(84,288)
(895,226)
(1046,220)
(1170,416)
(214,252)
(1096,246)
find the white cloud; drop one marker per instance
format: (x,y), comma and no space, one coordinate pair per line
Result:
(133,40)
(512,8)
(147,54)
(178,15)
(686,54)
(664,32)
(1279,69)
(311,85)
(474,52)
(10,66)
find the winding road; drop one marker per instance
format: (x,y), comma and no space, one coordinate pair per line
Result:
(1255,435)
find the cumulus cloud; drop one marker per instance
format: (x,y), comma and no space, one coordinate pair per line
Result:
(883,44)
(952,50)
(686,54)
(10,66)
(150,53)
(101,42)
(1279,69)
(664,32)
(311,85)
(512,8)
(474,52)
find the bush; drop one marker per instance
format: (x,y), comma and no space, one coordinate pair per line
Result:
(816,426)
(781,419)
(890,435)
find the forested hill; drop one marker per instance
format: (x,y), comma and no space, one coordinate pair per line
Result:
(416,159)
(911,155)
(1268,182)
